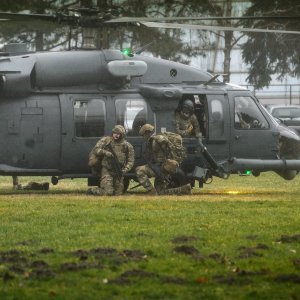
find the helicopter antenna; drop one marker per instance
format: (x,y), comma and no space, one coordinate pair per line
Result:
(140,50)
(212,79)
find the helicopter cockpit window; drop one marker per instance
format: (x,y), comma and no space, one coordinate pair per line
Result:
(247,115)
(89,116)
(132,114)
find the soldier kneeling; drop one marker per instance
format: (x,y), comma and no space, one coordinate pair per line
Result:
(111,158)
(160,164)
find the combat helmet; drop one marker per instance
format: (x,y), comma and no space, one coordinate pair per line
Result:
(187,108)
(145,128)
(119,129)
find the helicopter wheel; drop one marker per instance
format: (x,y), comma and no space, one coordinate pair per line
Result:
(54,180)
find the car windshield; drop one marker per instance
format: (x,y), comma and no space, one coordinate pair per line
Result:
(287,112)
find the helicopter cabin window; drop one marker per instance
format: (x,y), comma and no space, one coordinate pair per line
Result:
(132,114)
(89,116)
(216,125)
(247,114)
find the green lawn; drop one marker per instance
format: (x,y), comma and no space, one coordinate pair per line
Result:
(235,239)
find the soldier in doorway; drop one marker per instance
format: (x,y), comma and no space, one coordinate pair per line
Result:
(114,156)
(160,164)
(186,122)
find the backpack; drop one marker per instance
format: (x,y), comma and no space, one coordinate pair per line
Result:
(94,160)
(177,150)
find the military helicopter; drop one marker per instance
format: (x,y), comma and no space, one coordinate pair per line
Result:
(55,106)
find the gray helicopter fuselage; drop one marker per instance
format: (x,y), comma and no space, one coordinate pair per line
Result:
(55,106)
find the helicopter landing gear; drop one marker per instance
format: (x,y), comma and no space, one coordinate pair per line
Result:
(54,180)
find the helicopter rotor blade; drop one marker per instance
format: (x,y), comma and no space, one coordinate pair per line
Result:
(214,28)
(25,17)
(160,19)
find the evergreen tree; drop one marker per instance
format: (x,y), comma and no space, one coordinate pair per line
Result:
(268,54)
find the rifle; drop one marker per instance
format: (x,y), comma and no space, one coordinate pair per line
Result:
(136,186)
(115,163)
(158,173)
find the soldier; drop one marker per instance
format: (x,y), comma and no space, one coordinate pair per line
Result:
(160,164)
(186,121)
(115,158)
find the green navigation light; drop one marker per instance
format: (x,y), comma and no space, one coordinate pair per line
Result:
(128,52)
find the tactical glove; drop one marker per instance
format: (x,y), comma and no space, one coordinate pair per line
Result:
(190,129)
(124,170)
(108,154)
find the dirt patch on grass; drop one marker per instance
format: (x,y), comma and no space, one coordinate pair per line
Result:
(129,276)
(296,263)
(38,264)
(251,237)
(248,252)
(232,280)
(186,249)
(12,256)
(46,250)
(172,280)
(73,266)
(42,274)
(293,278)
(190,250)
(183,239)
(289,238)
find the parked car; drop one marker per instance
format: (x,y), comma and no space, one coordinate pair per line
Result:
(287,114)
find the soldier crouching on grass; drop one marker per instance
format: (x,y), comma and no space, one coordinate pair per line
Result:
(160,164)
(113,157)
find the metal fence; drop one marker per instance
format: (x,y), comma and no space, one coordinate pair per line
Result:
(277,93)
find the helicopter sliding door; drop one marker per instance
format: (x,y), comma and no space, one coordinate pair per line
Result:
(86,118)
(84,121)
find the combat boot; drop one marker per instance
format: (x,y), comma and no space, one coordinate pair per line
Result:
(182,190)
(95,191)
(151,192)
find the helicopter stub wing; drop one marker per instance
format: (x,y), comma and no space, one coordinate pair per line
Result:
(214,28)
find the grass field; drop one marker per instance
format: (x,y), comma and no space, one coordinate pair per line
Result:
(235,239)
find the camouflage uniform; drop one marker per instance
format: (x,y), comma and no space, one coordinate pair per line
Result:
(112,183)
(158,153)
(186,122)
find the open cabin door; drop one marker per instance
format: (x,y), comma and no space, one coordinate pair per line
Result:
(212,112)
